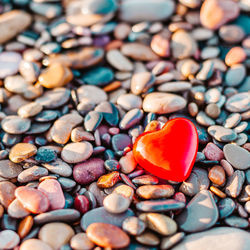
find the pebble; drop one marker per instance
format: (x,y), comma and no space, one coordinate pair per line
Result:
(92,120)
(204,120)
(238,102)
(232,120)
(116,59)
(56,234)
(213,152)
(81,204)
(9,239)
(45,155)
(145,180)
(159,205)
(32,174)
(54,98)
(231,33)
(170,241)
(183,45)
(7,193)
(116,203)
(238,222)
(155,191)
(102,234)
(200,214)
(217,175)
(235,75)
(197,181)
(88,171)
(148,238)
(161,224)
(25,226)
(32,199)
(237,156)
(125,190)
(222,134)
(100,215)
(235,183)
(59,167)
(16,210)
(52,189)
(219,238)
(9,169)
(63,215)
(12,23)
(30,244)
(215,13)
(226,207)
(76,152)
(235,55)
(29,110)
(133,225)
(9,63)
(49,80)
(15,125)
(80,241)
(163,103)
(141,82)
(22,151)
(179,86)
(129,101)
(138,51)
(108,180)
(138,11)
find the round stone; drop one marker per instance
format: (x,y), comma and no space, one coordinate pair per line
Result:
(217,175)
(231,33)
(103,235)
(29,110)
(15,125)
(32,174)
(9,170)
(16,84)
(56,234)
(9,63)
(31,244)
(235,75)
(92,93)
(141,82)
(129,101)
(133,225)
(237,156)
(8,239)
(235,55)
(7,193)
(163,103)
(16,210)
(77,152)
(238,102)
(22,151)
(81,241)
(116,203)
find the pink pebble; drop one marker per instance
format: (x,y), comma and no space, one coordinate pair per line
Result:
(53,190)
(213,152)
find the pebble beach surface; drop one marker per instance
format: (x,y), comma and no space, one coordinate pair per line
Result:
(80,80)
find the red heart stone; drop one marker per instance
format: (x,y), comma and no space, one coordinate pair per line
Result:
(169,153)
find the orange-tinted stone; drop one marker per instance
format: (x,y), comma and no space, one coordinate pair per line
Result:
(108,180)
(235,55)
(25,226)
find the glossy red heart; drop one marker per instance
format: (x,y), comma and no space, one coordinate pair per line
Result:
(169,153)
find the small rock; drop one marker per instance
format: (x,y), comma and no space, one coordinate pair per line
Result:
(22,151)
(148,238)
(238,102)
(222,134)
(30,244)
(155,191)
(170,241)
(235,55)
(141,82)
(7,193)
(133,225)
(116,203)
(81,241)
(213,152)
(235,183)
(217,175)
(9,239)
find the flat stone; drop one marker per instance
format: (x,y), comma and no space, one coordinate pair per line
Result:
(161,224)
(76,152)
(78,134)
(237,156)
(9,239)
(145,180)
(30,244)
(170,241)
(81,241)
(9,63)
(235,55)
(12,23)
(32,174)
(163,103)
(235,183)
(183,45)
(7,193)
(222,134)
(63,215)
(116,203)
(174,87)
(61,129)
(88,171)
(213,152)
(45,155)
(215,13)
(102,234)
(46,116)
(238,102)
(231,33)
(92,93)
(15,125)
(220,238)
(32,199)
(232,120)
(100,215)
(22,151)
(149,10)
(83,58)
(133,225)
(131,118)
(141,82)
(125,190)
(59,167)
(235,221)
(92,120)
(56,234)
(129,101)
(116,59)
(155,191)
(197,181)
(127,163)
(52,189)
(48,79)
(235,75)
(148,238)
(120,142)
(159,205)
(138,51)
(226,207)
(200,214)
(9,169)
(16,210)
(217,175)
(29,110)
(54,98)
(16,84)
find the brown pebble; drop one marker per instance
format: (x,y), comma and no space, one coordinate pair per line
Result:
(218,192)
(103,234)
(217,175)
(22,151)
(155,191)
(152,126)
(125,190)
(80,241)
(235,55)
(7,193)
(108,180)
(212,110)
(148,238)
(25,226)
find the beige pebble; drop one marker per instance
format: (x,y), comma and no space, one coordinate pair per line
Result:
(80,241)
(22,151)
(29,110)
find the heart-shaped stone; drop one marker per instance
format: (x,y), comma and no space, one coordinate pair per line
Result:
(169,153)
